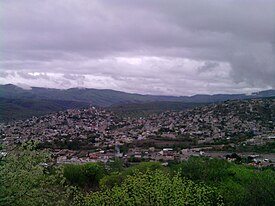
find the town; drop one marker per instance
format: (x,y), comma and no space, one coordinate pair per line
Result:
(97,134)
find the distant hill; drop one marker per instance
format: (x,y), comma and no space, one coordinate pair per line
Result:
(107,97)
(148,108)
(98,97)
(14,109)
(18,103)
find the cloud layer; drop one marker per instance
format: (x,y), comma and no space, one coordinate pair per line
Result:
(146,46)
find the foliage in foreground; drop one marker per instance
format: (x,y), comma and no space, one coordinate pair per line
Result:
(238,184)
(152,188)
(25,180)
(84,175)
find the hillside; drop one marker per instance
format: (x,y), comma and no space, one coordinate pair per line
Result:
(148,108)
(18,103)
(97,97)
(107,97)
(15,109)
(227,122)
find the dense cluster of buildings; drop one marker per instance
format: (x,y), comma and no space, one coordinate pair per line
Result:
(95,134)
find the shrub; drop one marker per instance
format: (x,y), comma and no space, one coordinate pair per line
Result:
(26,178)
(153,188)
(87,175)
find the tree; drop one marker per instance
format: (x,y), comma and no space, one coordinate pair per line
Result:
(85,175)
(116,165)
(152,188)
(204,169)
(27,179)
(117,177)
(238,184)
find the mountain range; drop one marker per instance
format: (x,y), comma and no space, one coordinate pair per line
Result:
(17,103)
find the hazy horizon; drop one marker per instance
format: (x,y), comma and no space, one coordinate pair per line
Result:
(28,87)
(176,48)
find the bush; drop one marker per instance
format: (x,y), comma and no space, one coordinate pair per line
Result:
(152,188)
(144,167)
(85,175)
(238,184)
(116,178)
(111,180)
(26,178)
(74,174)
(204,169)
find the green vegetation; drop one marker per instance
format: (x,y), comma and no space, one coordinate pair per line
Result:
(153,188)
(238,184)
(85,175)
(26,178)
(29,177)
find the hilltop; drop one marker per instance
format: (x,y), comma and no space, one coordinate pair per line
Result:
(18,103)
(108,97)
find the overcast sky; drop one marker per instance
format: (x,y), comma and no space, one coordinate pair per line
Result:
(175,47)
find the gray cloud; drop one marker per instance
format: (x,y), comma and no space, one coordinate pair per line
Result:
(3,74)
(208,67)
(148,46)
